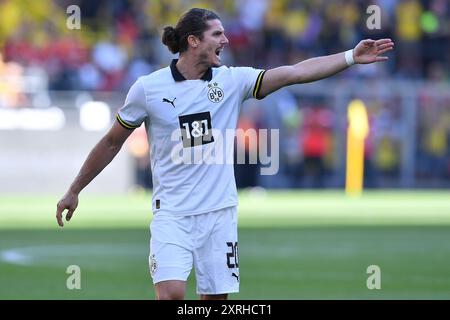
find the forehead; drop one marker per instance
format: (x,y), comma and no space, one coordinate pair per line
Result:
(214,25)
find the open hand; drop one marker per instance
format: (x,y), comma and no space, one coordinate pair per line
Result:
(369,51)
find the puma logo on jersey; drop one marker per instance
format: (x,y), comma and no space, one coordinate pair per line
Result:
(235,275)
(168,101)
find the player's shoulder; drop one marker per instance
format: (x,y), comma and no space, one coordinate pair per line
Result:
(158,75)
(145,83)
(231,71)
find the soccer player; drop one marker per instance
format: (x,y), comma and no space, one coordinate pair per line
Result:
(183,106)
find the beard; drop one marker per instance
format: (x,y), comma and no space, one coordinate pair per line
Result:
(204,58)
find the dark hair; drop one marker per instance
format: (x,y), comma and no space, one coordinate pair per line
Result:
(192,22)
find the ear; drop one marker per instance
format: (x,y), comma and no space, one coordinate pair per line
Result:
(193,41)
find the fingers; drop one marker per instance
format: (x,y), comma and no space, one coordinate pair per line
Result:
(368,42)
(69,214)
(69,202)
(385,46)
(379,59)
(379,42)
(59,210)
(383,41)
(384,50)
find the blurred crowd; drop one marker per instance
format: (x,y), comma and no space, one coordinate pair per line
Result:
(119,40)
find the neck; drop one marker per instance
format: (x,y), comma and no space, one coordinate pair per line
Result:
(190,67)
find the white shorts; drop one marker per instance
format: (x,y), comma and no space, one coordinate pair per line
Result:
(208,241)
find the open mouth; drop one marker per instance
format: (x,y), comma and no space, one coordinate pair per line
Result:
(218,51)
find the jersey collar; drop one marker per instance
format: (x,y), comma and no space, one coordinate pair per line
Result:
(177,76)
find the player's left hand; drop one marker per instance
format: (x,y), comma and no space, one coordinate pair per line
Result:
(369,51)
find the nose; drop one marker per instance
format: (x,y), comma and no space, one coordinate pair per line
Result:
(224,40)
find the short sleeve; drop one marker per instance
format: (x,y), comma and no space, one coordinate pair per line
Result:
(134,111)
(249,80)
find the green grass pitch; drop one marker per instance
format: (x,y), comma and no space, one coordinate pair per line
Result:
(292,245)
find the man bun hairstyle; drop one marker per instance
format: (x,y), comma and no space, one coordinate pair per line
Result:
(193,23)
(171,39)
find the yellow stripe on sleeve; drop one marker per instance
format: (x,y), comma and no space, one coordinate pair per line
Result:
(124,124)
(258,84)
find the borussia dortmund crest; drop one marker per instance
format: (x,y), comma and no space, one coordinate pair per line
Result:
(215,94)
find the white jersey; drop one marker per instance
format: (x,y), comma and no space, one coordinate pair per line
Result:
(186,119)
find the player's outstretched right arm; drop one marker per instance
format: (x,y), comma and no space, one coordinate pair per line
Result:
(367,51)
(100,156)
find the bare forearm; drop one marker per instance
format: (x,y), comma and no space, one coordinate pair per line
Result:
(367,51)
(306,71)
(319,68)
(98,159)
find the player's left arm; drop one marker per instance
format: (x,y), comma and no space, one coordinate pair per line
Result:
(367,51)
